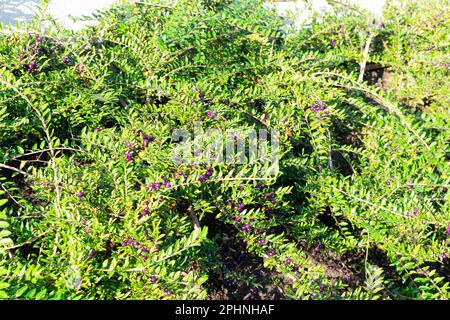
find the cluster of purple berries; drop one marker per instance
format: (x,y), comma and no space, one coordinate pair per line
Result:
(145,211)
(131,242)
(318,106)
(32,68)
(79,68)
(91,254)
(231,104)
(211,114)
(145,249)
(210,101)
(184,174)
(157,185)
(414,212)
(84,224)
(80,194)
(37,49)
(270,195)
(201,97)
(410,184)
(146,139)
(248,227)
(168,293)
(128,157)
(206,176)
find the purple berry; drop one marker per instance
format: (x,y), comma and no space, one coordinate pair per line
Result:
(129,145)
(182,173)
(92,254)
(129,157)
(145,211)
(211,114)
(79,68)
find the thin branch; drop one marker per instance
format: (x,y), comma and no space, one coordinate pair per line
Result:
(365,56)
(194,219)
(11,196)
(39,151)
(4,166)
(29,241)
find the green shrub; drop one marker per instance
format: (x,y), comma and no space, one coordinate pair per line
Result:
(94,205)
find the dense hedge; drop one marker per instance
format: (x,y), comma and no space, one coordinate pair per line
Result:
(93,205)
